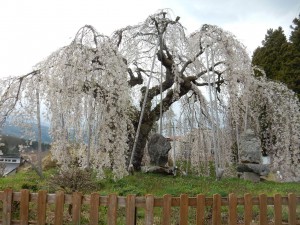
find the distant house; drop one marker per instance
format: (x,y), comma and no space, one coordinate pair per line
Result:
(11,163)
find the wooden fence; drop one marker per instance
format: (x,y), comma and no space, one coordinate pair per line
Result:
(43,208)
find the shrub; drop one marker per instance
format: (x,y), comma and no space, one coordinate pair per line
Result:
(73,179)
(32,187)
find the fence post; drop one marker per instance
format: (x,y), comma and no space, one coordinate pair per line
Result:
(247,209)
(94,208)
(232,201)
(59,207)
(278,209)
(130,210)
(149,209)
(184,209)
(41,207)
(76,207)
(7,204)
(200,209)
(112,209)
(166,217)
(292,208)
(24,207)
(263,217)
(216,217)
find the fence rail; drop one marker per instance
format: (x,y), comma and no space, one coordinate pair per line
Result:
(44,208)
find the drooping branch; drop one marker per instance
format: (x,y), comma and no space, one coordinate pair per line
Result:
(13,95)
(191,61)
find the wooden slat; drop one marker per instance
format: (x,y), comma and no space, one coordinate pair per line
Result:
(76,207)
(184,209)
(292,208)
(130,210)
(166,217)
(216,216)
(59,207)
(248,207)
(94,208)
(24,207)
(112,209)
(149,206)
(7,203)
(200,210)
(41,207)
(277,209)
(263,216)
(232,201)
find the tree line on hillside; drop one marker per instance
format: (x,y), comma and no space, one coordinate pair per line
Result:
(12,145)
(279,57)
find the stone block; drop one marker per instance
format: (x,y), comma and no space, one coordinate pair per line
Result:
(251,176)
(259,169)
(250,148)
(158,148)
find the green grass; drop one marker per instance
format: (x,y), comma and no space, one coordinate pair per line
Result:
(158,185)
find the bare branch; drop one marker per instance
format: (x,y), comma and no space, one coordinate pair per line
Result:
(190,61)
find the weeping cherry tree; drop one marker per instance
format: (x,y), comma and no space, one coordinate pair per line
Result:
(96,88)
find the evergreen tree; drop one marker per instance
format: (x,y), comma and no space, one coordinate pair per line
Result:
(293,66)
(279,58)
(295,34)
(290,68)
(269,56)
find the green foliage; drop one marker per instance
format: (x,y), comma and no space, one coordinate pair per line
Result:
(295,34)
(32,187)
(269,57)
(279,58)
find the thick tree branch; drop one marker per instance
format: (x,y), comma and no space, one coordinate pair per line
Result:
(134,80)
(169,99)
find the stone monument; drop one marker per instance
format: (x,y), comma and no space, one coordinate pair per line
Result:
(158,148)
(250,155)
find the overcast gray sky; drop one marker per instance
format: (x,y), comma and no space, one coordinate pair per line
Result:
(32,29)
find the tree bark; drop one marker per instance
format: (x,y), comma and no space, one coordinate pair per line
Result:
(151,116)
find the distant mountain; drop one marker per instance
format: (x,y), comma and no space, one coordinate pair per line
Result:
(14,131)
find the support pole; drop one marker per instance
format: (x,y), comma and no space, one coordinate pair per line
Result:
(216,111)
(161,92)
(174,151)
(212,113)
(130,167)
(38,112)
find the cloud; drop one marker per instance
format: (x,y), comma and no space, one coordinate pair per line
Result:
(247,20)
(32,29)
